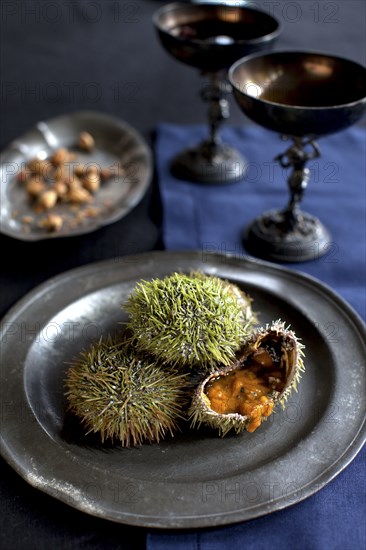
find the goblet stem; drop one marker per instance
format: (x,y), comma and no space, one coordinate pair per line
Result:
(296,157)
(290,235)
(212,161)
(218,110)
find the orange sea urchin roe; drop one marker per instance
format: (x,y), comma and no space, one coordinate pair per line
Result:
(245,391)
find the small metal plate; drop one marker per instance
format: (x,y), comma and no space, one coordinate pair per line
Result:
(117,144)
(195,479)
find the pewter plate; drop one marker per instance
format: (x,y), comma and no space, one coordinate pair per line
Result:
(117,144)
(195,479)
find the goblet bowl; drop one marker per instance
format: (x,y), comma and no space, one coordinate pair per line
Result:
(300,93)
(211,37)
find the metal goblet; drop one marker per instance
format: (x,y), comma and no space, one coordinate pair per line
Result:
(210,37)
(301,95)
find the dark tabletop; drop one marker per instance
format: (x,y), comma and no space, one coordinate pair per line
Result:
(59,57)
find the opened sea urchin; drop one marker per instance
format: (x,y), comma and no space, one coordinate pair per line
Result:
(190,320)
(242,395)
(124,396)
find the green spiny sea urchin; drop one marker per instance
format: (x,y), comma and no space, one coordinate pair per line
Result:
(123,395)
(242,395)
(190,320)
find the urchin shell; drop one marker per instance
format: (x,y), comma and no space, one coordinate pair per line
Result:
(123,395)
(191,320)
(290,360)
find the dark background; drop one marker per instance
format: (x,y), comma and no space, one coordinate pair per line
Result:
(63,56)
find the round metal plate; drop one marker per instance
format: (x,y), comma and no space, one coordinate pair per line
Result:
(195,479)
(118,145)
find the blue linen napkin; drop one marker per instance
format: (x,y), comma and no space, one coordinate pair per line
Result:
(212,218)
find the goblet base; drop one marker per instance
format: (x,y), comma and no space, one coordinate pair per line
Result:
(270,237)
(209,164)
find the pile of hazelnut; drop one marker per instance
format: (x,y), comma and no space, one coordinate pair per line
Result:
(61,179)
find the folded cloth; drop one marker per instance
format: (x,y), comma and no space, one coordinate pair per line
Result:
(212,218)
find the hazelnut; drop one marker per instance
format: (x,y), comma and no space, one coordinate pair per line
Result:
(86,141)
(79,169)
(48,199)
(61,188)
(91,182)
(78,195)
(60,156)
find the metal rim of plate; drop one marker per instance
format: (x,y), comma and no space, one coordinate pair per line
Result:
(123,195)
(196,479)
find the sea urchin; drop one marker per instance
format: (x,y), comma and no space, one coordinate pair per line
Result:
(190,320)
(242,395)
(124,396)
